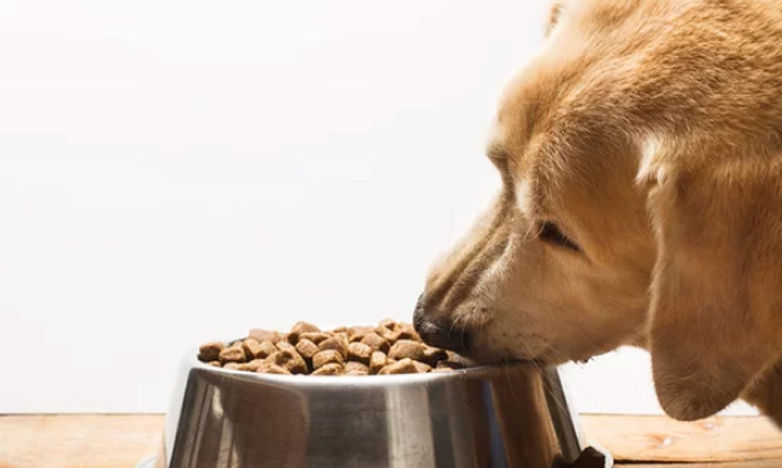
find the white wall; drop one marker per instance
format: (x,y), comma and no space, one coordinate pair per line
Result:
(172,172)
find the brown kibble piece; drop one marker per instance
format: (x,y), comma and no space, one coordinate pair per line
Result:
(376,362)
(266,349)
(271,368)
(376,342)
(210,351)
(304,327)
(388,323)
(232,354)
(444,365)
(252,349)
(358,332)
(253,365)
(407,349)
(283,345)
(457,361)
(338,342)
(433,355)
(306,348)
(406,331)
(262,335)
(387,333)
(359,352)
(404,366)
(286,338)
(292,361)
(299,328)
(315,337)
(391,347)
(354,366)
(326,356)
(332,368)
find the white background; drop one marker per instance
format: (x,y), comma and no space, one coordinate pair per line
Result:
(173,172)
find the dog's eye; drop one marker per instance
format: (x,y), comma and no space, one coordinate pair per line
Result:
(549,232)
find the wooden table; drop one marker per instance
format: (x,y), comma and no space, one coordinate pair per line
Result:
(121,440)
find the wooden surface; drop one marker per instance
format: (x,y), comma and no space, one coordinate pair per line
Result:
(648,441)
(78,440)
(661,439)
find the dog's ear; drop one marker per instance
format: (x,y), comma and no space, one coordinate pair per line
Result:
(716,295)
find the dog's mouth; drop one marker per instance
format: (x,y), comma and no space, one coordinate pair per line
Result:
(442,334)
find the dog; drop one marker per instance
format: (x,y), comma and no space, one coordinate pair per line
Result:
(640,153)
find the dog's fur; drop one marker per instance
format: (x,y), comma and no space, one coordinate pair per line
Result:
(650,133)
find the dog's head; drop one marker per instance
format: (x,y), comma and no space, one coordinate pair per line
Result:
(641,204)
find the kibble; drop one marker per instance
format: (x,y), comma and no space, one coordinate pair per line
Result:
(291,361)
(271,368)
(358,333)
(359,352)
(391,347)
(252,349)
(285,346)
(388,323)
(404,366)
(332,368)
(262,335)
(388,334)
(407,332)
(306,348)
(299,328)
(407,349)
(338,342)
(434,355)
(266,348)
(376,342)
(321,358)
(253,365)
(210,351)
(356,368)
(377,361)
(232,354)
(315,337)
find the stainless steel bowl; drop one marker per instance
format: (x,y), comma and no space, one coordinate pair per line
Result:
(515,415)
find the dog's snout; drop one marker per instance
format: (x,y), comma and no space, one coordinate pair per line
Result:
(437,331)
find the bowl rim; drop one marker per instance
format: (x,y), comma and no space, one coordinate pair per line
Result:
(479,371)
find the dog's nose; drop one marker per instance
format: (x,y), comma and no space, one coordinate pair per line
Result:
(438,332)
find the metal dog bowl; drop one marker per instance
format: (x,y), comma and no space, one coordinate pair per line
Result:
(508,416)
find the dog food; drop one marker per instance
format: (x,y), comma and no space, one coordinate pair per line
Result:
(389,348)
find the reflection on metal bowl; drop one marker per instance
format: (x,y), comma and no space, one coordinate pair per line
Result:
(514,415)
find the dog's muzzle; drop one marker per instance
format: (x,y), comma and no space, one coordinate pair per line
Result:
(438,331)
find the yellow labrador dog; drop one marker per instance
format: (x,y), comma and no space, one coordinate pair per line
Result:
(641,160)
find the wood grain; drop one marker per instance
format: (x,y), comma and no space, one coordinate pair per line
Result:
(117,440)
(748,464)
(78,440)
(661,439)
